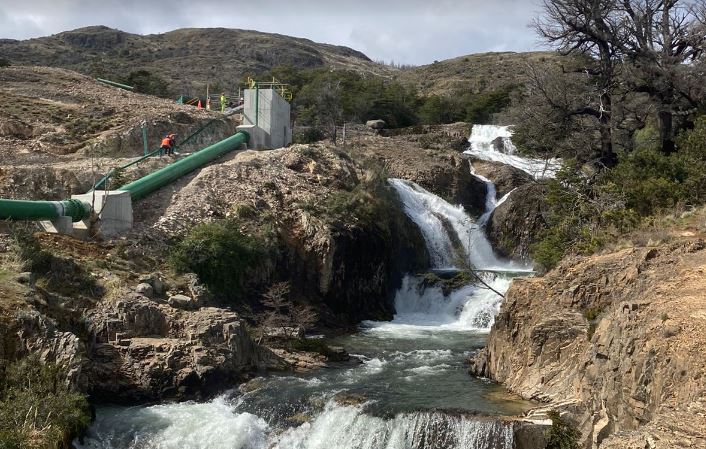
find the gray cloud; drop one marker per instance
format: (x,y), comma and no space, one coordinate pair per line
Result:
(406,31)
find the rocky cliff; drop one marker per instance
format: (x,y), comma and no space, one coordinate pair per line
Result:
(341,236)
(615,340)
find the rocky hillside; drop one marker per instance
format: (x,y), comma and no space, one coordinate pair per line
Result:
(614,340)
(60,131)
(477,73)
(187,58)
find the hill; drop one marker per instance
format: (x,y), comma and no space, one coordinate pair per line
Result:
(187,59)
(478,73)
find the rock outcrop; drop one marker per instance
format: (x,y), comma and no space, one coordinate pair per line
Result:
(616,340)
(330,252)
(517,223)
(146,350)
(505,177)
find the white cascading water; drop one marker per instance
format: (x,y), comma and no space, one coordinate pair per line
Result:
(437,218)
(215,425)
(347,428)
(484,145)
(421,308)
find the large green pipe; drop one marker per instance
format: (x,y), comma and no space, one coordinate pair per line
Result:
(148,184)
(114,84)
(43,210)
(79,210)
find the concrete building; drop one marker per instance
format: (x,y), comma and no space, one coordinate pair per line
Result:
(268,111)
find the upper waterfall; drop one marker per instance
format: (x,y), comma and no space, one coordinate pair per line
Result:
(494,143)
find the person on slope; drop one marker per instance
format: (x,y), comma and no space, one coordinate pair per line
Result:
(168,144)
(223,102)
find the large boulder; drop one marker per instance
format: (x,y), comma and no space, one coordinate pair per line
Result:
(147,351)
(516,224)
(375,124)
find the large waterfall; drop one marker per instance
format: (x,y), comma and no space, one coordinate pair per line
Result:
(453,239)
(409,389)
(493,143)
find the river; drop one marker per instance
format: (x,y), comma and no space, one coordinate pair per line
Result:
(408,386)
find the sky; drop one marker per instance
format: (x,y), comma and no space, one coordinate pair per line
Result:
(404,31)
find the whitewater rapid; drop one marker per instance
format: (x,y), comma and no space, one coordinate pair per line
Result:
(494,143)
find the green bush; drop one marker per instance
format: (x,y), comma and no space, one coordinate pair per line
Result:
(4,62)
(483,106)
(37,409)
(219,254)
(584,211)
(148,83)
(561,434)
(29,251)
(310,134)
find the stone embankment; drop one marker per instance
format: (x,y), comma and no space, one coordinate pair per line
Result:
(613,340)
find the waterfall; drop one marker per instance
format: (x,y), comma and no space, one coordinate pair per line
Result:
(348,428)
(420,307)
(217,425)
(442,224)
(494,143)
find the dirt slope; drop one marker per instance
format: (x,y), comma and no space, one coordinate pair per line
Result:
(59,130)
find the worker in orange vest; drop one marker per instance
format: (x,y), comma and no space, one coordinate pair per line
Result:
(168,144)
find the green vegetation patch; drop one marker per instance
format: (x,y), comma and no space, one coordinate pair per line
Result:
(561,435)
(220,254)
(37,409)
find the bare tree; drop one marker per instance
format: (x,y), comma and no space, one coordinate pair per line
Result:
(283,314)
(664,38)
(591,28)
(648,46)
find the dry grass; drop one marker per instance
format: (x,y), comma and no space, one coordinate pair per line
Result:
(682,224)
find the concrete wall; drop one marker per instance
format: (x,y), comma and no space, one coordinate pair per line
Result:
(273,116)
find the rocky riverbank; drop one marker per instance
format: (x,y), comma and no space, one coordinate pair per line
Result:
(613,340)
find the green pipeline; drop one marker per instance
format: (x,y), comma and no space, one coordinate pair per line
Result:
(114,84)
(79,210)
(43,210)
(148,184)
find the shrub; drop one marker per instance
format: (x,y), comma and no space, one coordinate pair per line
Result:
(561,434)
(28,250)
(4,62)
(148,83)
(37,409)
(309,134)
(219,254)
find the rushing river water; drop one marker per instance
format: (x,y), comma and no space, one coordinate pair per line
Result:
(407,389)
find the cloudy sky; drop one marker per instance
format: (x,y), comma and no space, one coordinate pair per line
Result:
(406,31)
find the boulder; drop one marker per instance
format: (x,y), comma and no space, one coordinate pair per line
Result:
(185,355)
(375,124)
(24,277)
(284,333)
(182,302)
(145,289)
(155,280)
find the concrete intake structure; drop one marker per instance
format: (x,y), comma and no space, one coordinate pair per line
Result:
(266,117)
(113,208)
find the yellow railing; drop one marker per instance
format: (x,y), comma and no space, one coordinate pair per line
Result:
(281,88)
